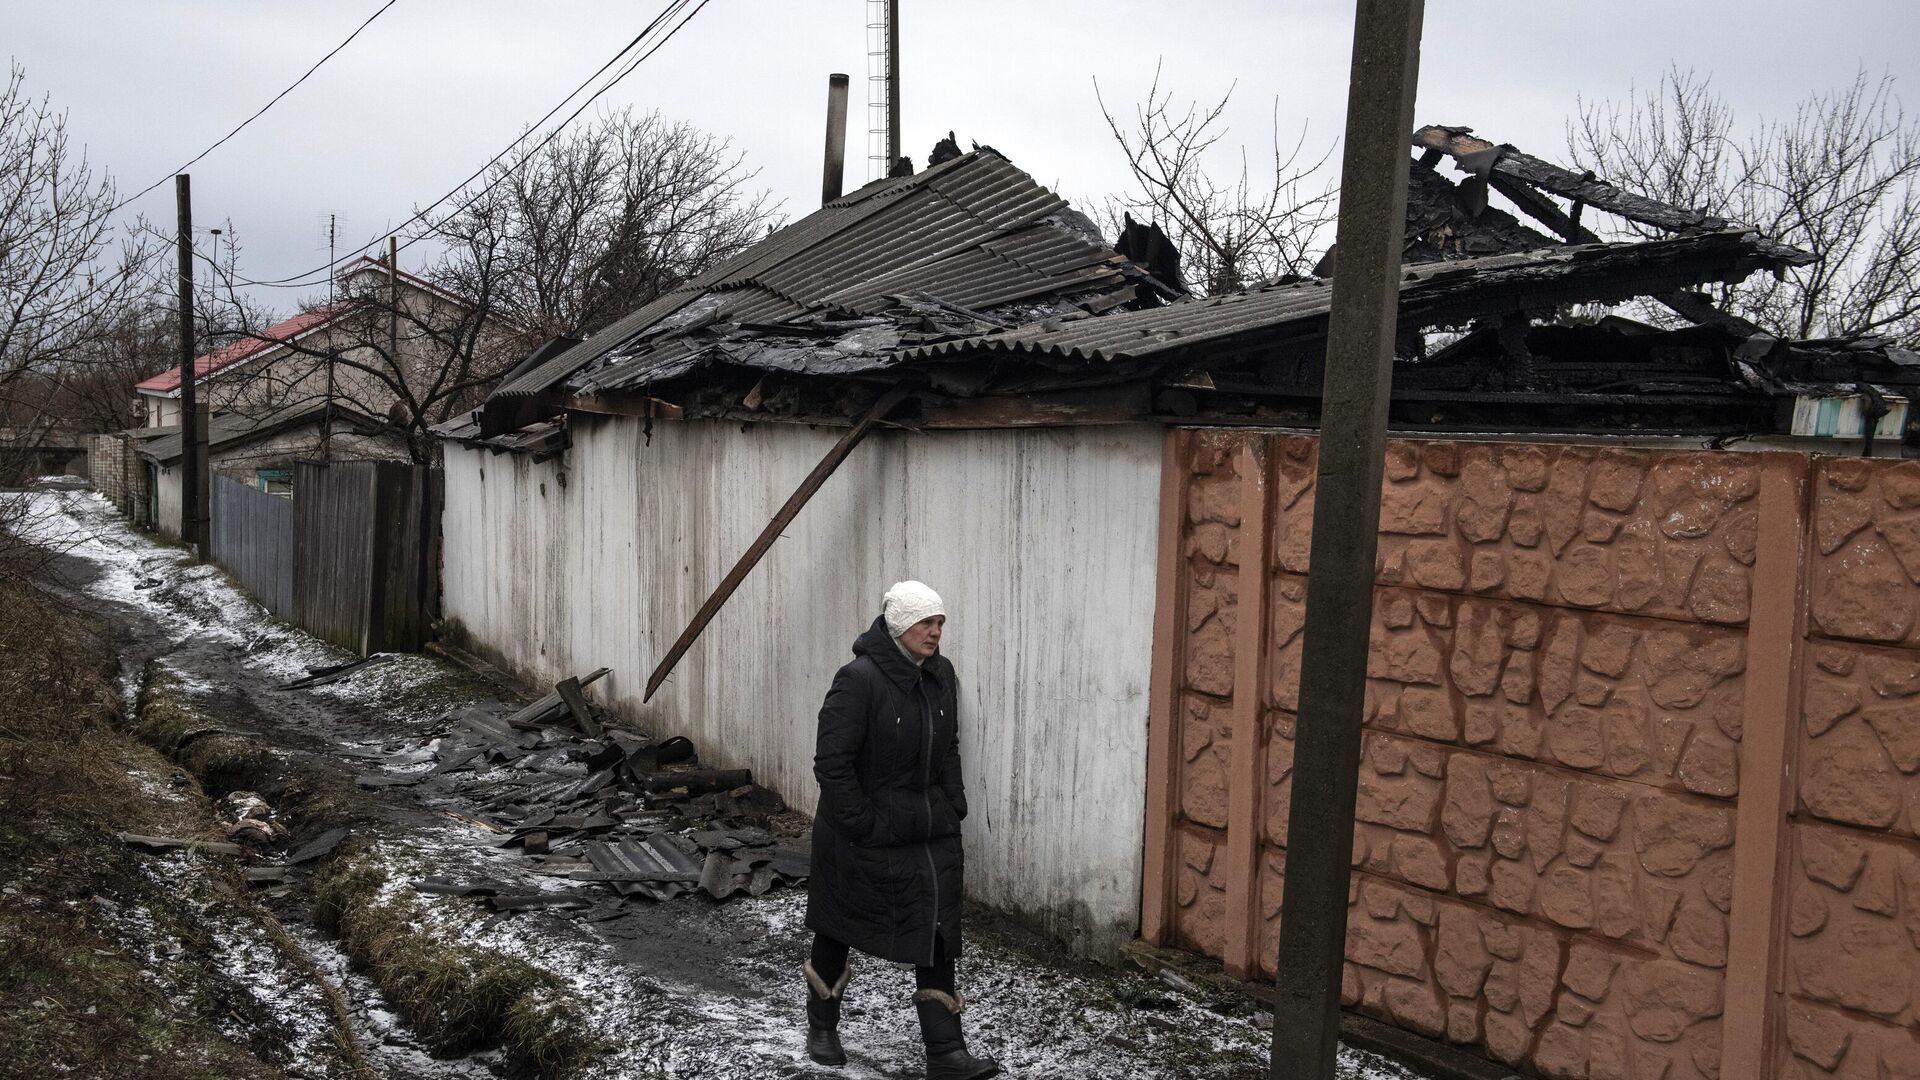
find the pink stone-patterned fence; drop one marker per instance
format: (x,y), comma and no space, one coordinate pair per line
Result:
(1629,806)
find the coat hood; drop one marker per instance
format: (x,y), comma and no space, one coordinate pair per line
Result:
(877,644)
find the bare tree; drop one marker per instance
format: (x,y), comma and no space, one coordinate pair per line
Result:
(560,240)
(64,268)
(570,235)
(1840,179)
(1235,233)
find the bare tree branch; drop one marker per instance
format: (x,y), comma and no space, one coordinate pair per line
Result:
(1840,179)
(1257,226)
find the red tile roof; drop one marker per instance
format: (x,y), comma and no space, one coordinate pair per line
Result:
(169,380)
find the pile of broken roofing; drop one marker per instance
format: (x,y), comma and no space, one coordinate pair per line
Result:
(605,807)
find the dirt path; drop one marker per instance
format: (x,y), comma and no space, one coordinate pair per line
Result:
(688,988)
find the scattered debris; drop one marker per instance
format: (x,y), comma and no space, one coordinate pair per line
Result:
(319,847)
(551,707)
(321,676)
(604,806)
(252,818)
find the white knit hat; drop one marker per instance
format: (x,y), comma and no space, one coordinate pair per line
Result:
(907,603)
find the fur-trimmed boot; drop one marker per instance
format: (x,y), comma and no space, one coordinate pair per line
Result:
(947,1057)
(823,1016)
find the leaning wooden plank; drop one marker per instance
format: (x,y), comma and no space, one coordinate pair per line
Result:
(569,691)
(768,535)
(335,674)
(169,843)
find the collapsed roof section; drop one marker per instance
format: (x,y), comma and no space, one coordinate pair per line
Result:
(967,240)
(999,305)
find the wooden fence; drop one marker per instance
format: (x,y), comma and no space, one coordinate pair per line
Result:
(352,558)
(253,538)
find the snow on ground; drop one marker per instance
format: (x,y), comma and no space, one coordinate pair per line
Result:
(1040,1017)
(197,602)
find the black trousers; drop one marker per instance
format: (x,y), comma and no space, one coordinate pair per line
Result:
(830,959)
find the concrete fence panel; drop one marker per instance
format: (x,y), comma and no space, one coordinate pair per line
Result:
(1574,824)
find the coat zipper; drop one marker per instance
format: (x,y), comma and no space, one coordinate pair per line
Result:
(926,795)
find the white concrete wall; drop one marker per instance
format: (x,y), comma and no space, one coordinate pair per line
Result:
(1042,543)
(167,490)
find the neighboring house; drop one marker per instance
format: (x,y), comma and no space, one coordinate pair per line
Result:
(332,351)
(259,451)
(311,387)
(1583,604)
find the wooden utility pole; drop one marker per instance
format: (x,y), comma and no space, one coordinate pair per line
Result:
(893,85)
(1346,517)
(393,306)
(193,437)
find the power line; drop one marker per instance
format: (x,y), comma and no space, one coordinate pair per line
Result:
(262,110)
(673,9)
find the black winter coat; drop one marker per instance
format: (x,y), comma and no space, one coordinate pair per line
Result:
(887,872)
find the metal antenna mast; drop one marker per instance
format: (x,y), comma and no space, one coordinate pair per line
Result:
(883,87)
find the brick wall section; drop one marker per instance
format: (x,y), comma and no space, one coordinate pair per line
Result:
(1546,820)
(108,456)
(119,474)
(1852,947)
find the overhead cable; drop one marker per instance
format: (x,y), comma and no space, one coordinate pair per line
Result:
(261,111)
(674,8)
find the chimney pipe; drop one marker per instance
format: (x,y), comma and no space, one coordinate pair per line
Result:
(833,177)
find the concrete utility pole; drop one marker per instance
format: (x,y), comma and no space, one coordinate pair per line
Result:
(893,86)
(1346,516)
(193,420)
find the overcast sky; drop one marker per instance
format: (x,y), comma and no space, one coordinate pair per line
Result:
(435,87)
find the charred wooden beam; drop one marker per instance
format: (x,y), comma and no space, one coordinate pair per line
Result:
(1697,309)
(623,405)
(1541,209)
(1459,143)
(1106,405)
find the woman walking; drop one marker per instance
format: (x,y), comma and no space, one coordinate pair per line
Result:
(886,876)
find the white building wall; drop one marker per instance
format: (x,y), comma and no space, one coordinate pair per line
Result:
(167,500)
(1042,542)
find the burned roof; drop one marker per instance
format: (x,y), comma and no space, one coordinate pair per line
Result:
(1432,294)
(974,234)
(969,281)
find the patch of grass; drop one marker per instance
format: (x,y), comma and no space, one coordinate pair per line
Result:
(456,996)
(169,721)
(73,1003)
(546,1028)
(79,994)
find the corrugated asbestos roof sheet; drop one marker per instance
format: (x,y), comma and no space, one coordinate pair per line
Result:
(973,233)
(1436,291)
(162,444)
